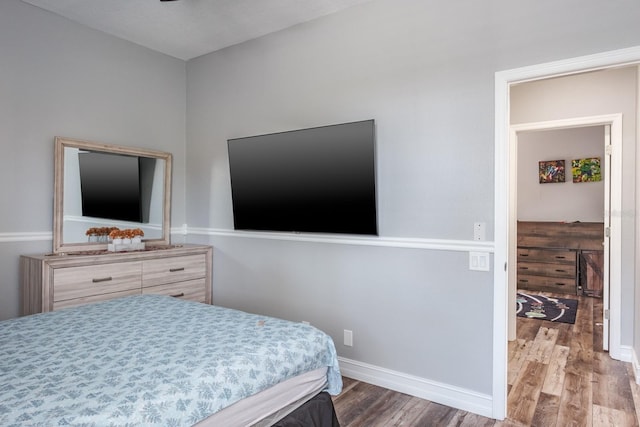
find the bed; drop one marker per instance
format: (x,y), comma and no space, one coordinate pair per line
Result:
(155,360)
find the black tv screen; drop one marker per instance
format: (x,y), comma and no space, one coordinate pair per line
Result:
(312,180)
(110,186)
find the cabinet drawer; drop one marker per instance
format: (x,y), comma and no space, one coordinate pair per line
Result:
(553,284)
(81,282)
(547,255)
(93,298)
(550,270)
(175,269)
(193,290)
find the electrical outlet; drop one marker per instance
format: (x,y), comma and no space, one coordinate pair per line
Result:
(480,231)
(348,338)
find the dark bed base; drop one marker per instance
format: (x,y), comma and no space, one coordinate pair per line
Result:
(316,412)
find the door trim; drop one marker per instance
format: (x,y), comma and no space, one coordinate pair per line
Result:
(612,204)
(502,185)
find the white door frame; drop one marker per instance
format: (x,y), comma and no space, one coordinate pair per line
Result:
(502,192)
(612,203)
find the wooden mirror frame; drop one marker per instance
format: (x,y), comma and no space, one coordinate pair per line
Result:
(59,246)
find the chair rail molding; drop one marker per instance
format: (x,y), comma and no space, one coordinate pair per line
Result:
(26,236)
(394,242)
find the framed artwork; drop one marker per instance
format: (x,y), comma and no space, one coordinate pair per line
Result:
(586,170)
(550,171)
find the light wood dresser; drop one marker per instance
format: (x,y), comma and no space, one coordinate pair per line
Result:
(51,282)
(548,254)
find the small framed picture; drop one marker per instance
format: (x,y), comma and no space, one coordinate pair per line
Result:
(550,171)
(586,170)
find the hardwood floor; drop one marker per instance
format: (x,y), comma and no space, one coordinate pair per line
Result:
(558,375)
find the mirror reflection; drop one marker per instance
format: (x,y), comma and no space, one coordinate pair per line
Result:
(111,190)
(101,186)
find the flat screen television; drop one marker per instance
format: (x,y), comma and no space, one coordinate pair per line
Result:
(318,180)
(115,186)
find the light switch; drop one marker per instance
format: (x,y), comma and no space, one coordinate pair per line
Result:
(479,261)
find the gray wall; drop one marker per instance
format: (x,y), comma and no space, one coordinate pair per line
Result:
(425,72)
(58,78)
(561,201)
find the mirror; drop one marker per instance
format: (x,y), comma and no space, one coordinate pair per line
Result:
(102,186)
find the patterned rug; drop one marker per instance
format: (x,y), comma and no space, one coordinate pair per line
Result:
(546,308)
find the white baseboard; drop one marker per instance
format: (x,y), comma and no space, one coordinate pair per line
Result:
(625,353)
(445,394)
(636,367)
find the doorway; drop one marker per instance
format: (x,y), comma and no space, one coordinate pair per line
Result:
(566,201)
(504,157)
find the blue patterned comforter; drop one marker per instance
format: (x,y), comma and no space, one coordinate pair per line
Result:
(148,360)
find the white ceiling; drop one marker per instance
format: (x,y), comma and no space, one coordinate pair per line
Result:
(186,29)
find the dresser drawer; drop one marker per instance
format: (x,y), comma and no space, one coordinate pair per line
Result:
(57,305)
(550,270)
(175,269)
(82,282)
(193,290)
(50,282)
(552,284)
(547,255)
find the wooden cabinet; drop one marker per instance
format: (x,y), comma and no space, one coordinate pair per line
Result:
(180,277)
(51,282)
(591,271)
(81,285)
(171,270)
(551,270)
(548,254)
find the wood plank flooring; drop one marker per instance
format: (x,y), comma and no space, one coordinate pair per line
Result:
(558,375)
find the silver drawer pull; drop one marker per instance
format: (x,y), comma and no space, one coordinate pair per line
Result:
(181,294)
(523,268)
(173,270)
(102,279)
(560,284)
(560,257)
(523,254)
(561,271)
(523,280)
